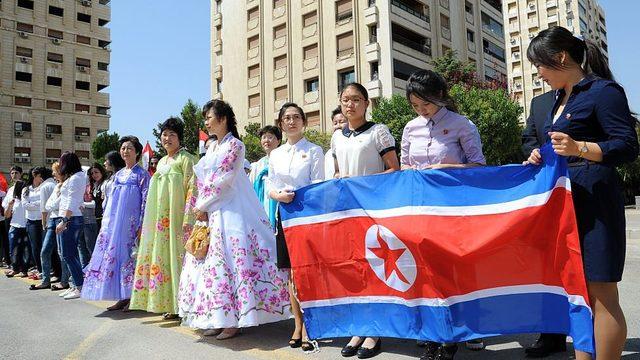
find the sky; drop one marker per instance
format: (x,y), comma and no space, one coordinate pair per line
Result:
(160,58)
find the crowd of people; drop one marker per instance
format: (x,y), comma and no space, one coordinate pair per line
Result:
(199,240)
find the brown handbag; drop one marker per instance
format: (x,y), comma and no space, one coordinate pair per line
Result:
(198,243)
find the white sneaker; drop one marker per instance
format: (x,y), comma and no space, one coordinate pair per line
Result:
(74,294)
(66,292)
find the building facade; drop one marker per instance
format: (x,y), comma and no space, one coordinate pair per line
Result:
(266,52)
(524,19)
(54,61)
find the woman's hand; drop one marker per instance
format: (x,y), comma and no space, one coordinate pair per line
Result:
(200,215)
(563,144)
(285,196)
(61,227)
(408,167)
(534,159)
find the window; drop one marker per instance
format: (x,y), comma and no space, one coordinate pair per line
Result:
(54,81)
(83,85)
(82,131)
(82,154)
(101,87)
(345,77)
(82,108)
(254,100)
(278,3)
(281,93)
(24,27)
(26,4)
(104,44)
(56,11)
(83,62)
(313,119)
(312,85)
(280,62)
(373,68)
(22,101)
(310,19)
(402,70)
(53,129)
(22,126)
(468,7)
(491,25)
(345,44)
(103,66)
(22,152)
(311,52)
(26,52)
(53,153)
(373,34)
(253,14)
(492,49)
(254,42)
(55,34)
(470,36)
(280,31)
(53,57)
(344,10)
(83,39)
(84,18)
(101,110)
(103,22)
(23,76)
(254,71)
(54,105)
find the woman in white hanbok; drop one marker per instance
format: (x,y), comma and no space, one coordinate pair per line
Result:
(237,284)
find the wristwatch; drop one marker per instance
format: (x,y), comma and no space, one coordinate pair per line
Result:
(65,220)
(583,150)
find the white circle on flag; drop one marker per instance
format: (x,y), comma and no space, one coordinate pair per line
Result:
(389,258)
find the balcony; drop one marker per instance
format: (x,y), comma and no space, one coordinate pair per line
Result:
(446,33)
(514,41)
(552,3)
(279,12)
(344,17)
(217,20)
(217,45)
(217,71)
(254,111)
(310,63)
(309,31)
(280,73)
(412,44)
(308,2)
(253,52)
(311,97)
(370,15)
(404,7)
(280,42)
(253,23)
(469,17)
(374,88)
(471,46)
(344,54)
(372,52)
(253,81)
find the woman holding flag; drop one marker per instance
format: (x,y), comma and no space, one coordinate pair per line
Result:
(165,224)
(362,148)
(592,126)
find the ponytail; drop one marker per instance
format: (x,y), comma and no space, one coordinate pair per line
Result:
(595,62)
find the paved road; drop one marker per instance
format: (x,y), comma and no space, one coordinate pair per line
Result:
(39,325)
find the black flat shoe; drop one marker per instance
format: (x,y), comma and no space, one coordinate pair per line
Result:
(546,345)
(349,351)
(365,353)
(39,287)
(295,343)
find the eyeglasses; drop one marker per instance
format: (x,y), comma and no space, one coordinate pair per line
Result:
(355,101)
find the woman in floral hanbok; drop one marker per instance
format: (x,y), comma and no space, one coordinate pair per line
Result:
(161,249)
(237,284)
(109,275)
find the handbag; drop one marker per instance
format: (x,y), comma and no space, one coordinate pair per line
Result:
(198,243)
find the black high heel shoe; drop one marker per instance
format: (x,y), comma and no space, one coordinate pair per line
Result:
(366,353)
(295,343)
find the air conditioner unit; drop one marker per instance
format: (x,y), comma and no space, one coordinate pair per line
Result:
(81,68)
(56,41)
(78,138)
(50,160)
(17,159)
(532,6)
(85,2)
(24,59)
(49,136)
(518,85)
(532,35)
(26,159)
(513,41)
(23,34)
(18,133)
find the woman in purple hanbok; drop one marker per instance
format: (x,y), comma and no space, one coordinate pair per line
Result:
(109,275)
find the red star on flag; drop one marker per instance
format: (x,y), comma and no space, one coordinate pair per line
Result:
(390,258)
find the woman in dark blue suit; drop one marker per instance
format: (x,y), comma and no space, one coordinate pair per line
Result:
(592,126)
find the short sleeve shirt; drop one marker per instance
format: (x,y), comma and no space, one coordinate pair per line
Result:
(359,152)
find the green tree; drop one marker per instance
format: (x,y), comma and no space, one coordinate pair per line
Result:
(104,143)
(159,150)
(319,138)
(630,175)
(395,112)
(253,149)
(193,123)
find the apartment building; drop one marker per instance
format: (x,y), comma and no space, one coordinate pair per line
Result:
(524,19)
(54,61)
(266,52)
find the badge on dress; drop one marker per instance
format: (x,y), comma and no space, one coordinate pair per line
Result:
(568,116)
(445,131)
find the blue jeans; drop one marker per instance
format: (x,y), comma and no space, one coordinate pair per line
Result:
(34,231)
(70,238)
(65,274)
(49,249)
(18,245)
(87,242)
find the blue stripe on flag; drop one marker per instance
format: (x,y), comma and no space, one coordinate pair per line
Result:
(492,316)
(454,187)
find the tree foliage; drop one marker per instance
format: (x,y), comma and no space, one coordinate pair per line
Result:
(395,112)
(319,138)
(253,149)
(193,122)
(159,150)
(104,143)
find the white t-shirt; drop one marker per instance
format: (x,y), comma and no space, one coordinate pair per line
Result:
(31,203)
(359,152)
(294,166)
(72,194)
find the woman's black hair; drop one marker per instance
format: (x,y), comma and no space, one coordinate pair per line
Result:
(430,86)
(115,160)
(284,108)
(44,172)
(222,109)
(16,168)
(17,189)
(136,144)
(548,44)
(29,181)
(336,111)
(174,124)
(102,171)
(69,164)
(361,89)
(274,130)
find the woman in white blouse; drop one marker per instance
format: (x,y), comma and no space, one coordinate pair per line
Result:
(17,232)
(45,189)
(71,199)
(295,164)
(31,204)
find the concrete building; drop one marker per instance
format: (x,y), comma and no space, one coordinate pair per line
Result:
(524,19)
(265,52)
(54,61)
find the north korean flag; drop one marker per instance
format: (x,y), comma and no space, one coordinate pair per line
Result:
(447,255)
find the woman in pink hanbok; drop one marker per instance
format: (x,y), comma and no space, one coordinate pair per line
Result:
(237,284)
